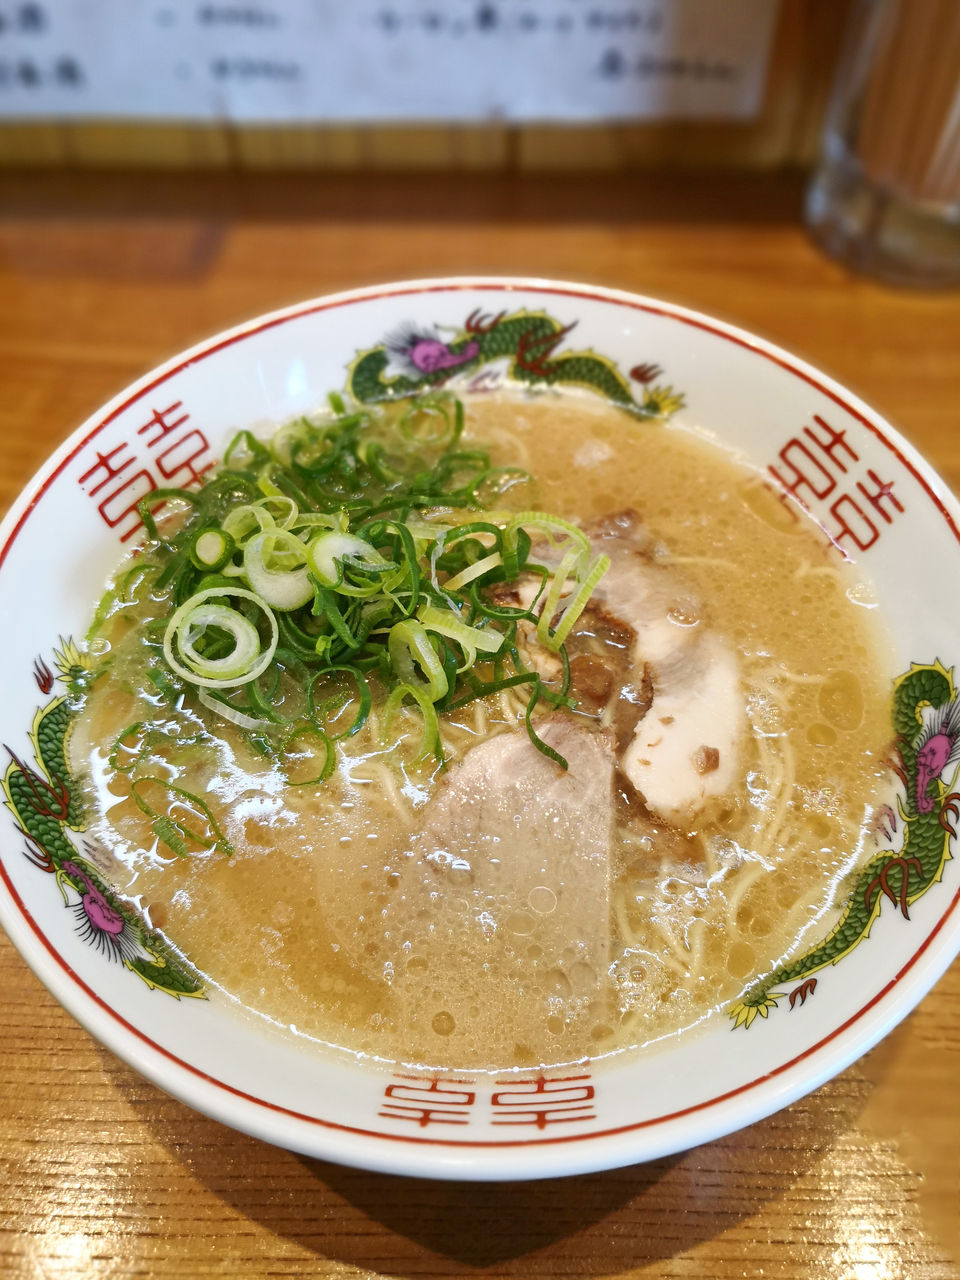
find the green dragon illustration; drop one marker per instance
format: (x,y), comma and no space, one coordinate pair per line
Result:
(926,745)
(47,806)
(414,358)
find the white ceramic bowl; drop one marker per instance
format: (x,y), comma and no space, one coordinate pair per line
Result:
(862,482)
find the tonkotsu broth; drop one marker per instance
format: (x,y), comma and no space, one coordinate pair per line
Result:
(316,921)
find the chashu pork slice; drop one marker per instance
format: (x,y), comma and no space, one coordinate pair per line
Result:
(685,747)
(498,920)
(530,841)
(515,852)
(649,598)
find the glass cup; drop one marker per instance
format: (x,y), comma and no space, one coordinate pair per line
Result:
(886,196)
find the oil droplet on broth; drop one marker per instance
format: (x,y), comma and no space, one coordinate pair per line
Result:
(521,923)
(542,899)
(841,700)
(556,983)
(821,735)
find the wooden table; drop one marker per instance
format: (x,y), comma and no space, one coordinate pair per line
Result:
(105,1176)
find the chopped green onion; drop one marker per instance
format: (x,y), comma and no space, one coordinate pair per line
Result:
(245,660)
(476,570)
(568,566)
(548,524)
(211,549)
(578,602)
(245,450)
(243,522)
(282,508)
(328,555)
(286,586)
(157,498)
(365,701)
(226,712)
(356,547)
(470,639)
(164,824)
(329,756)
(410,649)
(430,738)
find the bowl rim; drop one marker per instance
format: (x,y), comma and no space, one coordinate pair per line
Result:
(477,1159)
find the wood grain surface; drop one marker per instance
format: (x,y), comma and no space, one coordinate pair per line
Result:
(101,1174)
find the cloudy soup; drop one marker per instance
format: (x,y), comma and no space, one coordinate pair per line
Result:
(517,732)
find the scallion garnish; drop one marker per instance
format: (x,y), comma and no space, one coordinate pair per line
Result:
(213,644)
(211,549)
(351,558)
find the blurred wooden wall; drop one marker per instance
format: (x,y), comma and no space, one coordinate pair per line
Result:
(784,133)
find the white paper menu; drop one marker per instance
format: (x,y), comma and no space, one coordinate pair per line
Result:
(378,60)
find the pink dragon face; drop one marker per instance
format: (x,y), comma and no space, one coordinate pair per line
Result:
(429,355)
(96,908)
(100,914)
(931,761)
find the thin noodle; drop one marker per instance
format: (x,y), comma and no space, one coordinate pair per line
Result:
(781,784)
(696,938)
(772,674)
(386,779)
(680,964)
(713,561)
(823,570)
(747,877)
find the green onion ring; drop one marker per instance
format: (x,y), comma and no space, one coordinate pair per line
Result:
(257,659)
(409,648)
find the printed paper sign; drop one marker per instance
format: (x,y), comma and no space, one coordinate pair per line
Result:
(384,60)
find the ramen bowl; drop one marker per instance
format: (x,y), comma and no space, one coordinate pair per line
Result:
(874,501)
